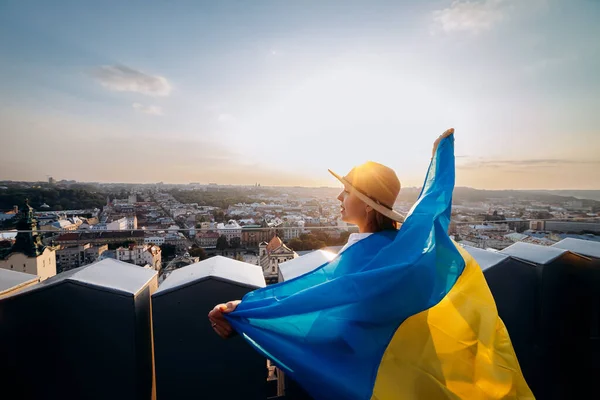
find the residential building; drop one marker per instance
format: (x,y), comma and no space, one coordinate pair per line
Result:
(205,225)
(132,222)
(93,253)
(9,214)
(157,240)
(62,225)
(573,226)
(313,220)
(230,230)
(253,235)
(208,239)
(76,256)
(536,225)
(178,240)
(120,224)
(292,230)
(141,255)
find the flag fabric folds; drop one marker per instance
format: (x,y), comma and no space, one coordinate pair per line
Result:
(399,315)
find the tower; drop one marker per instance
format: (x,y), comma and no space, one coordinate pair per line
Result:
(27,241)
(28,254)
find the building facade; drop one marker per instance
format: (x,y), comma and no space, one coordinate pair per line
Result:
(230,230)
(253,235)
(28,254)
(292,230)
(157,240)
(572,226)
(270,255)
(76,256)
(9,214)
(141,255)
(208,239)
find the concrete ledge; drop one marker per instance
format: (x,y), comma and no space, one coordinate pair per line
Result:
(12,282)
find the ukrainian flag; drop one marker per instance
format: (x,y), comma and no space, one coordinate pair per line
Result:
(398,315)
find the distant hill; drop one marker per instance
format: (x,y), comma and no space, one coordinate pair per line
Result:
(590,198)
(579,194)
(466,194)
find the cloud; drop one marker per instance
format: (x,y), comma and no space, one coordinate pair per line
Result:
(547,63)
(527,163)
(471,16)
(152,110)
(121,78)
(225,118)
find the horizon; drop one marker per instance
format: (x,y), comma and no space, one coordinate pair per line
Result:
(279,186)
(277,93)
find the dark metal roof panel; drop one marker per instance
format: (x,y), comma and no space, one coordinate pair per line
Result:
(109,274)
(586,248)
(534,253)
(485,258)
(219,267)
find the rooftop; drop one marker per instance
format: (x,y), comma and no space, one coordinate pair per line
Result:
(159,334)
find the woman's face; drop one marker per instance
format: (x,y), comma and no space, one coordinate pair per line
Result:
(353,210)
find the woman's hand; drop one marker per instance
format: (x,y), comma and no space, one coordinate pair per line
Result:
(218,321)
(439,139)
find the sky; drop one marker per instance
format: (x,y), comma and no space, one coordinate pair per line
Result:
(277,92)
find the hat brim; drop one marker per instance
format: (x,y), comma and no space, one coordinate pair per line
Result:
(392,214)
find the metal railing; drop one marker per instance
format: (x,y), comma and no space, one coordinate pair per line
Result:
(306,227)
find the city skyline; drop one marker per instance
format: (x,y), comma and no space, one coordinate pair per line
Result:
(277,93)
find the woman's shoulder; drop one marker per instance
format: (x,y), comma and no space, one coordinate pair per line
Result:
(369,240)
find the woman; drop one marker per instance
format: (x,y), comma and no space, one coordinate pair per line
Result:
(370,191)
(399,314)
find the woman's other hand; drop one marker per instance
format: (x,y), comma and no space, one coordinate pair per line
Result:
(439,139)
(217,318)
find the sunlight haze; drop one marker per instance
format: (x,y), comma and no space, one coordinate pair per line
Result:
(276,92)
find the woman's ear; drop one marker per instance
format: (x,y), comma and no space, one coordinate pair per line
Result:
(369,209)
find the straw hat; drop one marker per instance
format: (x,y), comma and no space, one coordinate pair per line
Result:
(376,185)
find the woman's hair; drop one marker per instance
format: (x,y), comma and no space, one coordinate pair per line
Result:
(379,222)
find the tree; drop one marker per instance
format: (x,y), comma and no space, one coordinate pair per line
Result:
(167,251)
(344,237)
(222,243)
(219,216)
(235,242)
(199,252)
(306,242)
(296,244)
(542,215)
